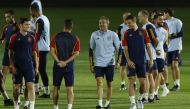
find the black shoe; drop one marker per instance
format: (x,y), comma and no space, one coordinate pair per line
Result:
(167,85)
(123,87)
(37,93)
(175,88)
(108,107)
(45,96)
(144,100)
(26,107)
(8,102)
(98,107)
(156,97)
(151,100)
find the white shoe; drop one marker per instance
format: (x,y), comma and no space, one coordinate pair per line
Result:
(133,106)
(140,104)
(165,92)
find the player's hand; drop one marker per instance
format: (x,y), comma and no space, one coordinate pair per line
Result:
(92,69)
(150,63)
(12,69)
(158,52)
(37,69)
(117,66)
(131,64)
(62,64)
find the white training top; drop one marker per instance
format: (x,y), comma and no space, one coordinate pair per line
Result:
(175,26)
(162,36)
(104,44)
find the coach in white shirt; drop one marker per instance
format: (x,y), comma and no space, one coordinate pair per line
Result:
(103,43)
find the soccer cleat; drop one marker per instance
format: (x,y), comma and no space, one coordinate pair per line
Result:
(156,97)
(19,103)
(107,107)
(175,88)
(140,104)
(145,100)
(133,106)
(98,107)
(8,102)
(26,107)
(45,96)
(165,92)
(37,93)
(151,100)
(123,87)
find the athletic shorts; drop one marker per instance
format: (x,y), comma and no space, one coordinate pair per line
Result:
(27,72)
(108,72)
(68,75)
(6,61)
(154,67)
(139,71)
(123,60)
(160,64)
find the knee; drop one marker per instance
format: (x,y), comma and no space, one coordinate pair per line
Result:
(99,83)
(109,84)
(16,88)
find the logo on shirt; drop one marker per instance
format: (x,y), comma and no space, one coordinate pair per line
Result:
(140,33)
(29,40)
(130,34)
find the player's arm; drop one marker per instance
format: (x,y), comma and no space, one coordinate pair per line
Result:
(91,53)
(11,54)
(126,52)
(179,31)
(150,29)
(147,41)
(53,50)
(76,51)
(2,37)
(39,29)
(35,55)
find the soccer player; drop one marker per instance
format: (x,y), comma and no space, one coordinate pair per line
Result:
(65,47)
(102,44)
(134,42)
(43,44)
(7,100)
(175,46)
(121,62)
(9,29)
(162,36)
(150,28)
(22,47)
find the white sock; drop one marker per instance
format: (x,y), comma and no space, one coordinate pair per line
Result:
(69,106)
(140,97)
(26,103)
(36,87)
(16,106)
(55,107)
(32,104)
(19,99)
(122,82)
(107,103)
(164,87)
(156,92)
(46,90)
(132,99)
(151,96)
(146,96)
(175,83)
(178,82)
(100,103)
(5,96)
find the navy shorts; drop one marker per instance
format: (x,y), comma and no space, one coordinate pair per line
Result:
(108,72)
(6,61)
(68,75)
(26,71)
(154,67)
(173,56)
(123,60)
(139,71)
(160,64)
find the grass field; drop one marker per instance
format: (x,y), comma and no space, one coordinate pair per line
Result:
(86,21)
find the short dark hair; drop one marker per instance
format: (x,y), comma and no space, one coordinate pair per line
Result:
(68,24)
(169,11)
(23,20)
(157,15)
(105,18)
(131,17)
(11,12)
(145,13)
(35,7)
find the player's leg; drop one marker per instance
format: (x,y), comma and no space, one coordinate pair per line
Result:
(99,80)
(43,73)
(7,100)
(109,77)
(56,90)
(163,85)
(31,94)
(4,71)
(5,64)
(122,75)
(70,96)
(147,86)
(36,85)
(26,104)
(165,75)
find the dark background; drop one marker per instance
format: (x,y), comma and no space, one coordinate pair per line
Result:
(90,3)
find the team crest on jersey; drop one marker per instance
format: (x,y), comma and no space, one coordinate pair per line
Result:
(130,34)
(140,33)
(29,40)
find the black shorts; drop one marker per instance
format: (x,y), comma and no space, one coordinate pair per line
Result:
(154,67)
(173,56)
(160,64)
(68,75)
(139,71)
(6,61)
(105,71)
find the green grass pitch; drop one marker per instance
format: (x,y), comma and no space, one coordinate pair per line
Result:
(86,21)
